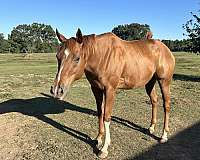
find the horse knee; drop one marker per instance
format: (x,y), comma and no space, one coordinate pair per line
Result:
(154,100)
(107,118)
(167,105)
(167,108)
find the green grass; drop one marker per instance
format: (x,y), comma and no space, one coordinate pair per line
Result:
(34,126)
(187,64)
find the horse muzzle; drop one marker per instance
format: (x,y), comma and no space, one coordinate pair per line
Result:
(58,92)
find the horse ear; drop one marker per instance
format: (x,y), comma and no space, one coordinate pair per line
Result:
(60,36)
(79,36)
(149,35)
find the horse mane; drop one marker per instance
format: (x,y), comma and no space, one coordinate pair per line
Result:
(88,43)
(88,38)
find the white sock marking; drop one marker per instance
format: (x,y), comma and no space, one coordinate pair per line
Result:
(107,137)
(164,136)
(152,128)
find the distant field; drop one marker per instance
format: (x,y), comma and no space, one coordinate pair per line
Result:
(29,64)
(35,126)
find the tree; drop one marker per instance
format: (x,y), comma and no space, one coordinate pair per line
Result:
(192,28)
(133,31)
(33,38)
(4,44)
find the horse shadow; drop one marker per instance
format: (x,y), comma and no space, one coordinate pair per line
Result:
(183,77)
(38,107)
(185,145)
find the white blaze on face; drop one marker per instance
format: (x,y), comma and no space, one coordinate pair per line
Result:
(60,71)
(58,78)
(61,68)
(66,53)
(62,64)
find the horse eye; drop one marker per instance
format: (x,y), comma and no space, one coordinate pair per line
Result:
(77,59)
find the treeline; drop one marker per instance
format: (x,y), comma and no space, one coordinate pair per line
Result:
(179,45)
(33,38)
(41,38)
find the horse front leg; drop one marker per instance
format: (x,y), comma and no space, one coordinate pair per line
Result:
(109,100)
(99,97)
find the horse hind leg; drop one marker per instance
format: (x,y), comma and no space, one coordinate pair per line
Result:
(165,90)
(151,91)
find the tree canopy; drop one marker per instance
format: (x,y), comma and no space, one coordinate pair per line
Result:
(30,38)
(192,28)
(133,31)
(33,38)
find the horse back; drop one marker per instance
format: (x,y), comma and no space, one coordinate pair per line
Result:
(128,64)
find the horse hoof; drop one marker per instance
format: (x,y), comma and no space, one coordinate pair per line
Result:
(151,130)
(99,144)
(102,154)
(163,140)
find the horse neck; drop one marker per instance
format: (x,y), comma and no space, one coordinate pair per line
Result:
(95,50)
(89,53)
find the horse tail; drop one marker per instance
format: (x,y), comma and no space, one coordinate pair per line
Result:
(149,35)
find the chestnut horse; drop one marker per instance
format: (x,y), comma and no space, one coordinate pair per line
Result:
(110,63)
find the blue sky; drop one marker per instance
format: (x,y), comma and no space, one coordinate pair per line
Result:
(98,16)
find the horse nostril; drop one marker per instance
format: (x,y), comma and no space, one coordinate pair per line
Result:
(62,91)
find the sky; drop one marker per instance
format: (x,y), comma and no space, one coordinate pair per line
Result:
(165,17)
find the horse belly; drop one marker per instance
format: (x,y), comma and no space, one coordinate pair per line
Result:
(135,80)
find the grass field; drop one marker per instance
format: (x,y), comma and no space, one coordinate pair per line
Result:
(35,126)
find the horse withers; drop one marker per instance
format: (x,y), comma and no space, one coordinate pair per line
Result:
(110,63)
